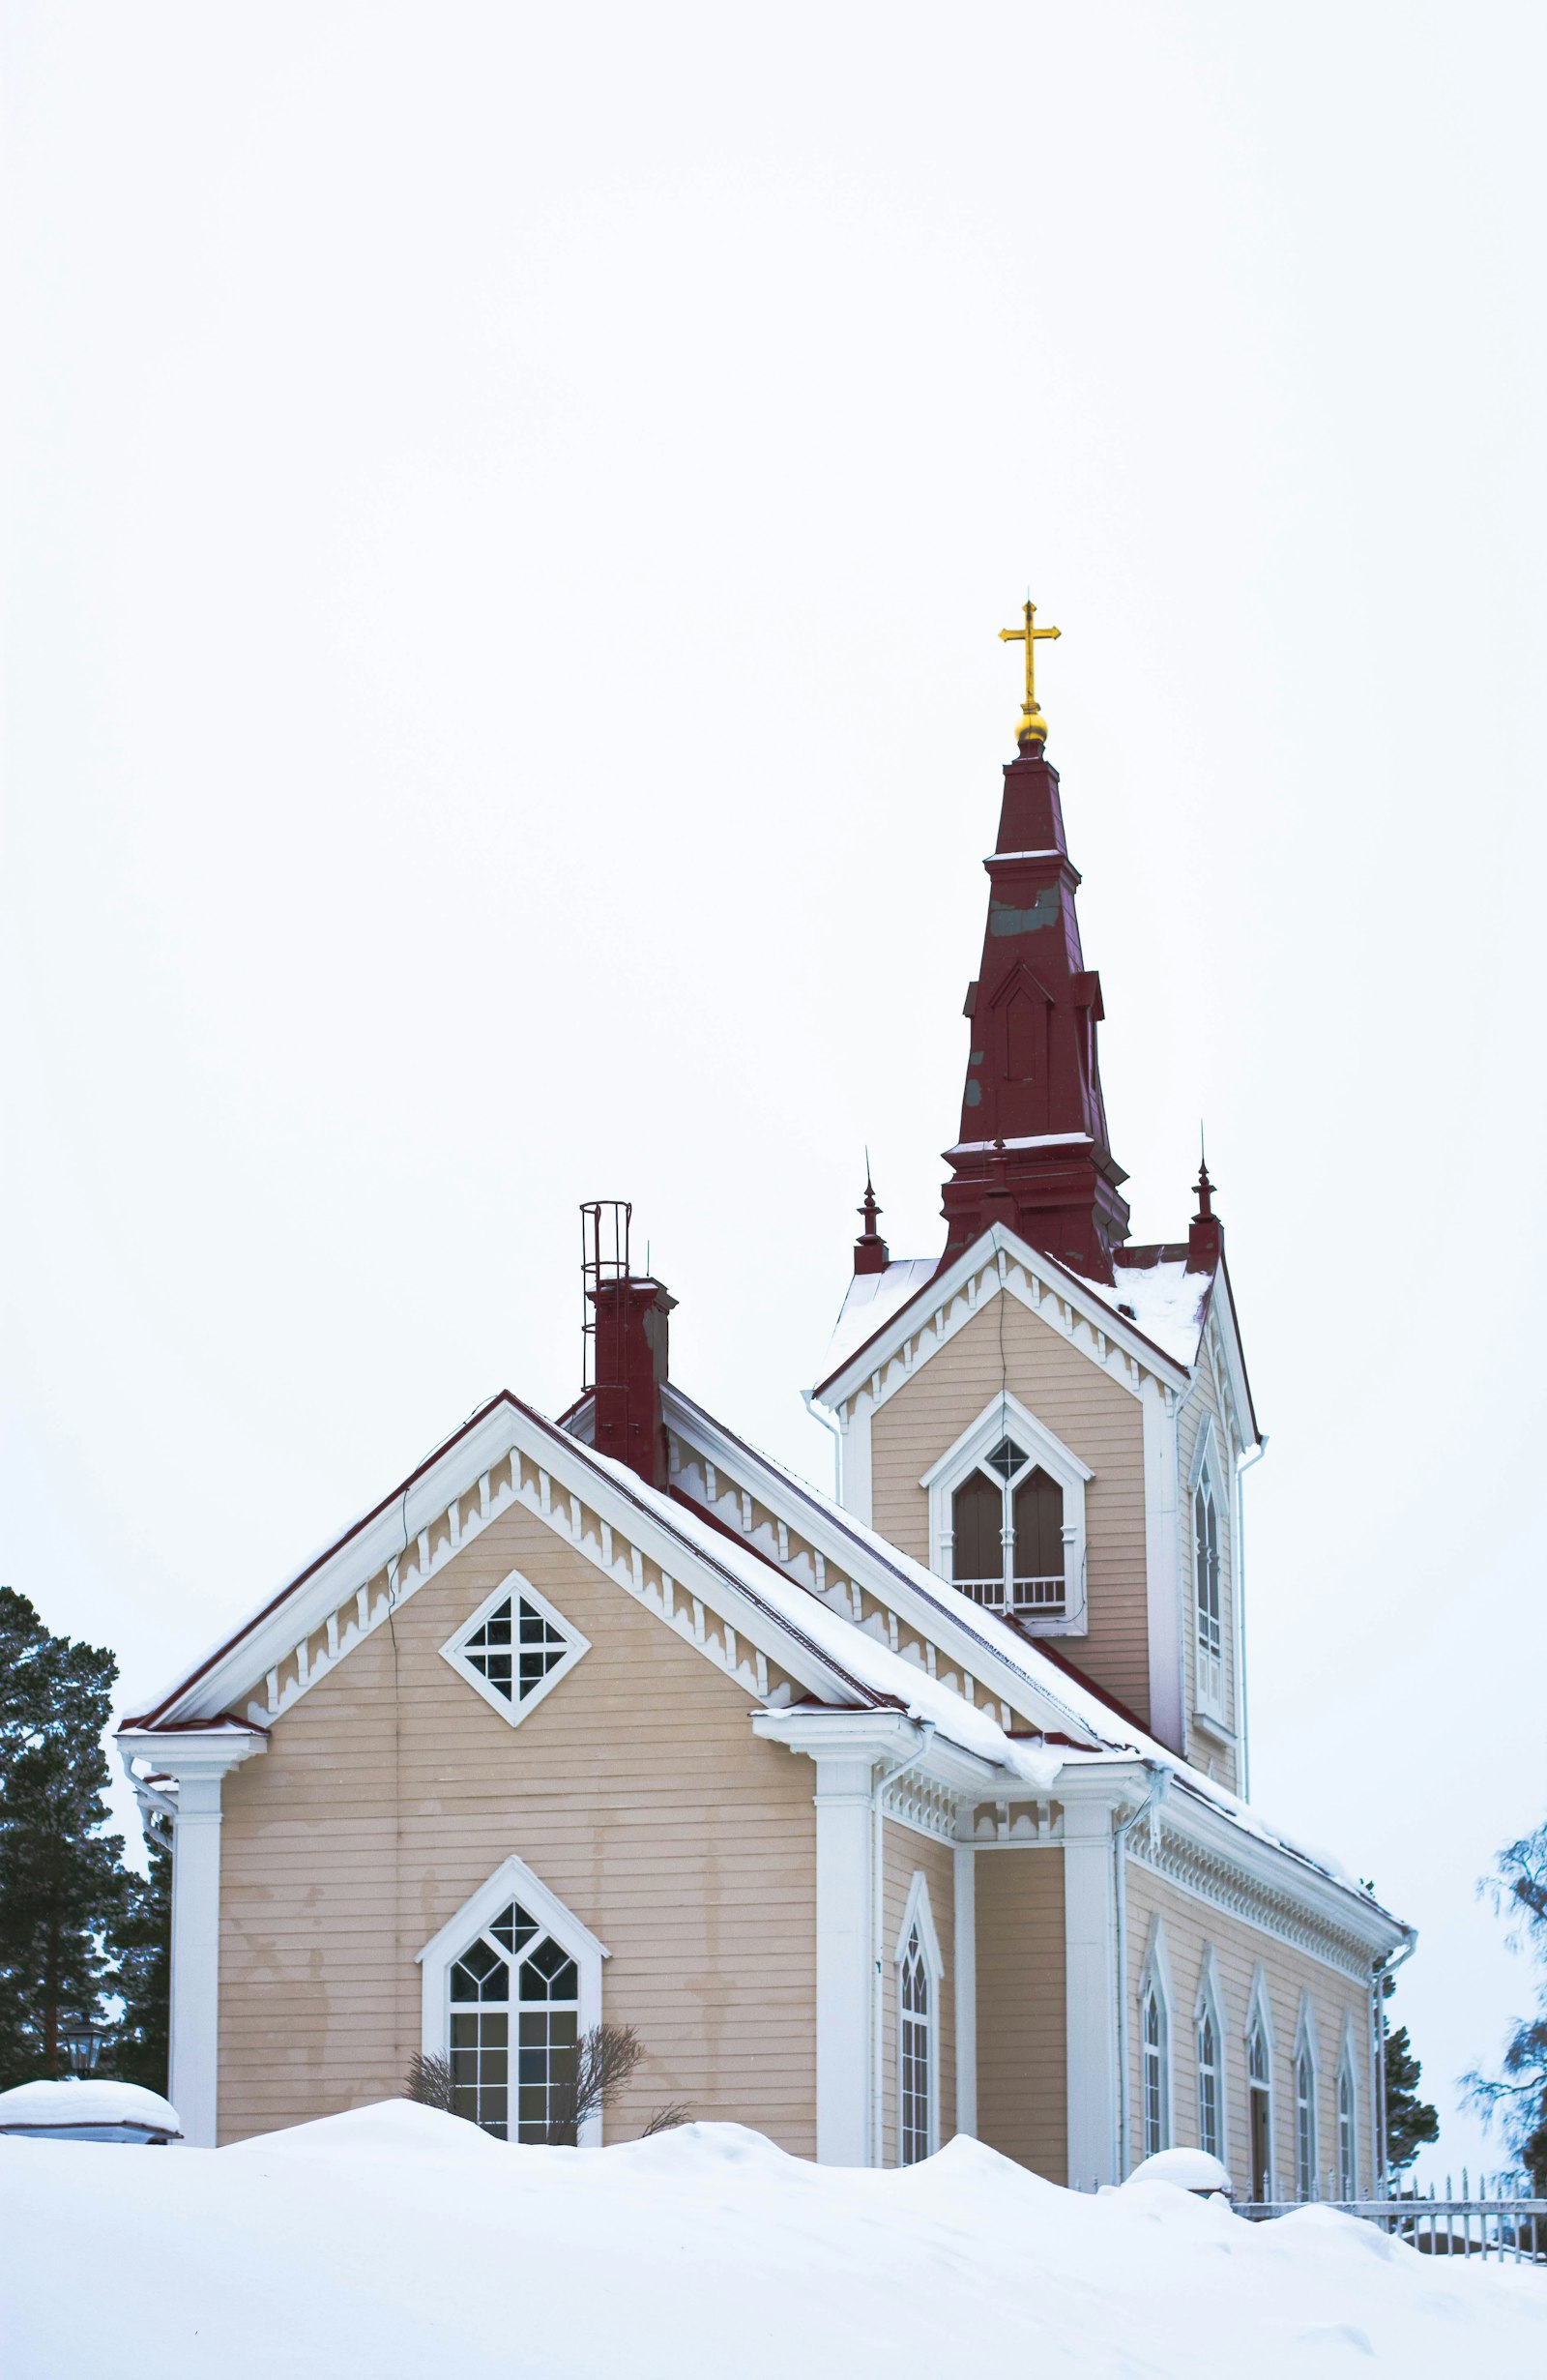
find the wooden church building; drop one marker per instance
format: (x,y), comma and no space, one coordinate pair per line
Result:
(916,1810)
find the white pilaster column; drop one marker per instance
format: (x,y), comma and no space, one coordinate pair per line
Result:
(965,1978)
(1090,1924)
(199,1759)
(844,1961)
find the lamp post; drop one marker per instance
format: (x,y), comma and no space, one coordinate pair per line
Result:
(81,2043)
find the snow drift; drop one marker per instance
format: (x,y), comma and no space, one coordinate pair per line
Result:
(394,2241)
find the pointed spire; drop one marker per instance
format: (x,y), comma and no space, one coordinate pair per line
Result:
(1206,1238)
(1033,1151)
(870,1251)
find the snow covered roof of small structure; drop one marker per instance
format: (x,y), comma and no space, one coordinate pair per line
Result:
(871,1299)
(1191,2169)
(99,2107)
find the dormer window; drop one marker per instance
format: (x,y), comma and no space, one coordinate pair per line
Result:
(1006,1522)
(1007,1509)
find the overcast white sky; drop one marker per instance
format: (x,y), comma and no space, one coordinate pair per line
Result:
(510,510)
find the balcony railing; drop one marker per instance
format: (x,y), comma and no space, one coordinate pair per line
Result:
(1032,1599)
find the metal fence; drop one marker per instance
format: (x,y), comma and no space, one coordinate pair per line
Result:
(1501,2222)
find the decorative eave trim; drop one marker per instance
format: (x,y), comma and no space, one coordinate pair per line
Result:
(838,1543)
(508,1455)
(1210,1854)
(944,1304)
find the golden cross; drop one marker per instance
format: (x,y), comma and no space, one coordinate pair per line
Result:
(1032,728)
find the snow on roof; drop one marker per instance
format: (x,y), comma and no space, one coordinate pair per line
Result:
(852,1648)
(1164,1301)
(395,2239)
(1116,1737)
(870,1300)
(98,2101)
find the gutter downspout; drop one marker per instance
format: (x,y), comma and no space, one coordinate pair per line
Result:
(808,1400)
(888,1776)
(1120,1836)
(1377,1974)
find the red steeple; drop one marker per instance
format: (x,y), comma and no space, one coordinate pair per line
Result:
(1032,1151)
(871,1251)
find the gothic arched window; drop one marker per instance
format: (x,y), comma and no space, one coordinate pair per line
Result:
(1208,2125)
(1211,1643)
(917,2019)
(1006,1533)
(1152,2035)
(1348,2176)
(1260,2106)
(1304,2123)
(514,2027)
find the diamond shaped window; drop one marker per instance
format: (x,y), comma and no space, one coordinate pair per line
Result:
(1006,1458)
(515,1649)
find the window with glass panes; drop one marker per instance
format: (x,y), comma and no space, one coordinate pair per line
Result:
(515,2026)
(1304,2125)
(1347,2155)
(1152,2035)
(1209,2128)
(1205,1583)
(516,1648)
(1006,1533)
(917,2019)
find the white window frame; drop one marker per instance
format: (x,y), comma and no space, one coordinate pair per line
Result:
(512,1709)
(1307,2176)
(1348,2081)
(918,1912)
(1210,1673)
(512,1880)
(1211,2003)
(1260,2017)
(1006,1416)
(1155,1985)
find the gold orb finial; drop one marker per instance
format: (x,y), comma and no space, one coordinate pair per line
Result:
(1032,726)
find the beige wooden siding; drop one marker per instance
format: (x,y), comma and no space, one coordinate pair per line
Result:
(1022,2041)
(636,1791)
(1007,1345)
(1191,1926)
(905,1854)
(1204,1750)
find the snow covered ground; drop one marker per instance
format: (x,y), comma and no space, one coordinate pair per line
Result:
(404,2245)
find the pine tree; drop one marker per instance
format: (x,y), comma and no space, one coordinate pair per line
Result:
(62,1883)
(140,2051)
(1517,2097)
(1409,2121)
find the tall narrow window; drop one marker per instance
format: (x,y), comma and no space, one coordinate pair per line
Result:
(1153,2032)
(917,2019)
(1261,2109)
(1348,2178)
(513,1990)
(1209,2128)
(1304,2125)
(1205,1586)
(1006,1522)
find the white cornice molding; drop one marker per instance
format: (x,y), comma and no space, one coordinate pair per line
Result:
(453,1502)
(190,1752)
(945,1304)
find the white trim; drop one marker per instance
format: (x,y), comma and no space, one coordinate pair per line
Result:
(517,1589)
(1347,2072)
(844,1853)
(916,1911)
(1155,1983)
(1005,1416)
(1089,1938)
(1162,1595)
(1260,2016)
(964,1978)
(1210,2000)
(199,1759)
(512,1880)
(1306,2048)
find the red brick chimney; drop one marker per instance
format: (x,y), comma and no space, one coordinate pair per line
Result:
(630,1364)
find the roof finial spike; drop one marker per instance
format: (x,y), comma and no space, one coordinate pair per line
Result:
(1203,1185)
(871,1251)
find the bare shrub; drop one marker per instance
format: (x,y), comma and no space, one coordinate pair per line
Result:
(604,2061)
(666,2119)
(430,2083)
